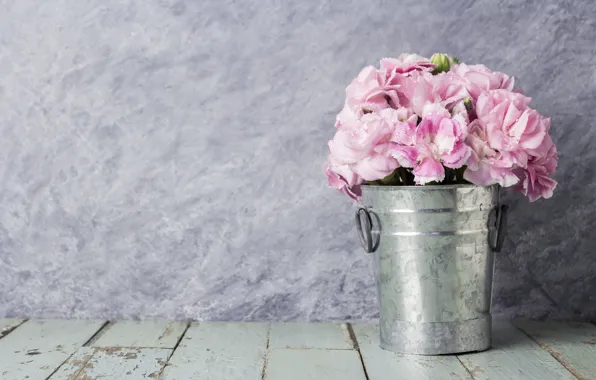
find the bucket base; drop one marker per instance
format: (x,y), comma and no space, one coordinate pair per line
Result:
(436,338)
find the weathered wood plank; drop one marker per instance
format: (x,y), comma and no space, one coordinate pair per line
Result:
(310,335)
(572,344)
(74,365)
(220,351)
(384,365)
(115,363)
(155,334)
(514,356)
(314,364)
(9,324)
(38,347)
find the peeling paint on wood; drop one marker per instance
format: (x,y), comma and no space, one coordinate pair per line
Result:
(310,335)
(114,363)
(38,347)
(75,364)
(379,362)
(220,351)
(238,351)
(572,344)
(514,356)
(155,334)
(315,364)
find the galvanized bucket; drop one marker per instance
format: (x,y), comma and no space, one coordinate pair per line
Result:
(434,251)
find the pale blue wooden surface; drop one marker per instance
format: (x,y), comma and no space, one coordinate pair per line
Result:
(310,335)
(8,324)
(220,351)
(37,348)
(385,365)
(114,363)
(315,364)
(514,356)
(74,365)
(573,344)
(155,334)
(64,350)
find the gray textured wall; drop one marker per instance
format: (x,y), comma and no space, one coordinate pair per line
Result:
(164,158)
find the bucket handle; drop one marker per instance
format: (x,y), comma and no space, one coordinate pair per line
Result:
(365,228)
(500,226)
(364,231)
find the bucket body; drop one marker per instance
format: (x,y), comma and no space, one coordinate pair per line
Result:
(434,256)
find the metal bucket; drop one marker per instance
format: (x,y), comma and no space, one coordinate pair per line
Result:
(434,251)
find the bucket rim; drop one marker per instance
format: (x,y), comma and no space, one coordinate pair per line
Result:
(429,187)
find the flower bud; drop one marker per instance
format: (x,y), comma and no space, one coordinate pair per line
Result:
(441,62)
(468,104)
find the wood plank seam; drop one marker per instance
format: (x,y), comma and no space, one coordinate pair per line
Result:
(469,371)
(86,344)
(76,375)
(159,374)
(97,334)
(266,356)
(557,356)
(38,347)
(7,331)
(357,348)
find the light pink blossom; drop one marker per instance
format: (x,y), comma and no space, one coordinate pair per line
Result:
(535,181)
(343,179)
(439,142)
(486,166)
(512,127)
(425,93)
(450,88)
(365,146)
(491,99)
(479,78)
(403,123)
(405,64)
(348,115)
(415,88)
(460,109)
(372,91)
(403,115)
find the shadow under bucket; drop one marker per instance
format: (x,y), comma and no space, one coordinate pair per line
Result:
(434,259)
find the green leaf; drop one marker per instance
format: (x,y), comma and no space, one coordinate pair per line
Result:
(392,179)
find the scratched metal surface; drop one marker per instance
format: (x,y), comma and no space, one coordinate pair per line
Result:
(435,259)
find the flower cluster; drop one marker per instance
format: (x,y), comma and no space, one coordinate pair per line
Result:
(417,121)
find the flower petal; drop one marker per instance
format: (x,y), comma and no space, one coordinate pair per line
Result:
(429,170)
(406,156)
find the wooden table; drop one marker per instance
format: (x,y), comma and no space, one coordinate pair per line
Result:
(167,350)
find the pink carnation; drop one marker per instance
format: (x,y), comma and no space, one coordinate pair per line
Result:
(405,64)
(402,123)
(371,90)
(439,142)
(403,115)
(365,146)
(342,178)
(479,78)
(486,166)
(512,127)
(535,181)
(425,93)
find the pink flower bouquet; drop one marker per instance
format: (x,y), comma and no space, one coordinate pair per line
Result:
(419,121)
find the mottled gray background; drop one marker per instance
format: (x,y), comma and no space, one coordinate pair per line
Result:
(163,158)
